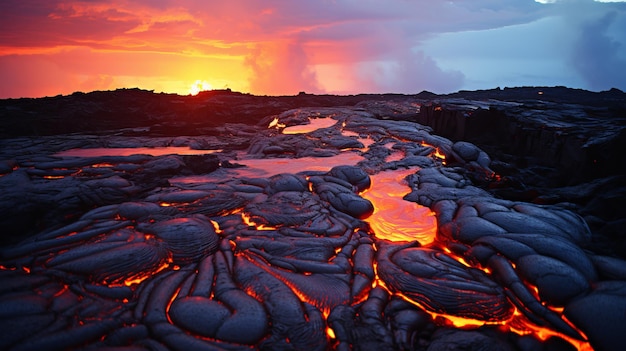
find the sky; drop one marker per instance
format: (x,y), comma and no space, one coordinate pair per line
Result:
(283,47)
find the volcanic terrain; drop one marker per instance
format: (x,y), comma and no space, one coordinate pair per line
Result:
(489,220)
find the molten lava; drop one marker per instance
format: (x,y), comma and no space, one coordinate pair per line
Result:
(396,219)
(275,124)
(314,124)
(268,167)
(517,323)
(128,151)
(250,222)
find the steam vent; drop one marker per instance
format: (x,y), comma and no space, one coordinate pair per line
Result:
(379,225)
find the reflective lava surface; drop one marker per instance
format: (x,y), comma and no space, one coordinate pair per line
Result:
(128,151)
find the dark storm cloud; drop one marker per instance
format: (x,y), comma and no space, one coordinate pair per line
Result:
(597,56)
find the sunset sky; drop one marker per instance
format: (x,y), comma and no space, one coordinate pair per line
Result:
(51,47)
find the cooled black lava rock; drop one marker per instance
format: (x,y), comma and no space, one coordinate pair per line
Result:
(176,252)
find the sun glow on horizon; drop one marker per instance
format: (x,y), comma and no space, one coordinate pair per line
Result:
(198,86)
(267,49)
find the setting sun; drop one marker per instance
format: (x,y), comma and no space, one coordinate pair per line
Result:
(198,86)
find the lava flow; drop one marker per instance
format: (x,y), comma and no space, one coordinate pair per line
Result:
(394,218)
(356,236)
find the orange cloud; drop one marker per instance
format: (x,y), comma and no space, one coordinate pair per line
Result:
(79,68)
(281,68)
(264,47)
(243,45)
